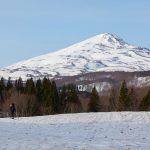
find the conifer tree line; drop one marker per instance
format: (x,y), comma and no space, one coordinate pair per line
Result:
(40,97)
(128,100)
(124,100)
(43,97)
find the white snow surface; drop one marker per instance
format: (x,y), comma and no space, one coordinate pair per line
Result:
(104,52)
(84,131)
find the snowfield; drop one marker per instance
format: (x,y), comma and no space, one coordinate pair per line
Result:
(84,131)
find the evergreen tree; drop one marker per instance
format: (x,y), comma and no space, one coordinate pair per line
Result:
(46,88)
(30,86)
(39,91)
(94,104)
(19,85)
(54,98)
(47,96)
(2,83)
(124,101)
(2,88)
(9,84)
(145,103)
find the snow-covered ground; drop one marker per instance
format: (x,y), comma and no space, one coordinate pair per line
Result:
(85,131)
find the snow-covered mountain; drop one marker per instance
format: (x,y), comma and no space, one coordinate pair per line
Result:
(104,52)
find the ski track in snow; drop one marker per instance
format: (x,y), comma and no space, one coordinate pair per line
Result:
(86,131)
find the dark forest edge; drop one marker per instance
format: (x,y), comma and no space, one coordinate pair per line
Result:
(43,97)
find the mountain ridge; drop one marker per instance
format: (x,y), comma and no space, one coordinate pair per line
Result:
(104,52)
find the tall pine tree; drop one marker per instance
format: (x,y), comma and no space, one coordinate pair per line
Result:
(19,85)
(30,86)
(124,101)
(39,92)
(9,84)
(54,98)
(2,88)
(47,97)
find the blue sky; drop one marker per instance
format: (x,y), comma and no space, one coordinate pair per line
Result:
(30,28)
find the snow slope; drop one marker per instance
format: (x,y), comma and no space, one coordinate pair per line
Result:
(104,52)
(87,131)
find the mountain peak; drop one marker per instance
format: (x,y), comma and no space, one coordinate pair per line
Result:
(110,40)
(108,36)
